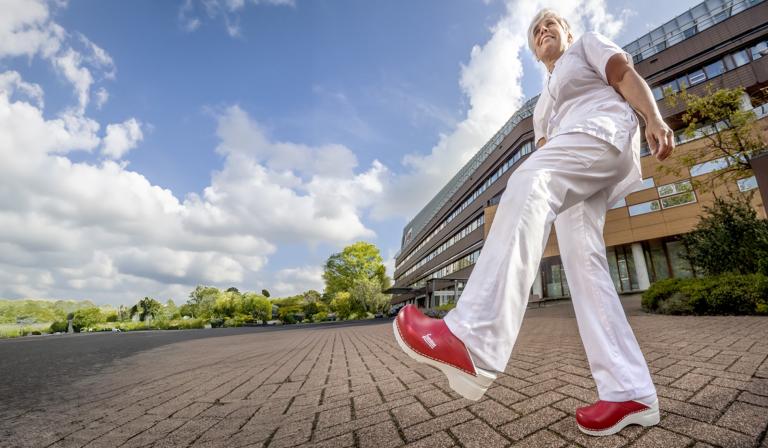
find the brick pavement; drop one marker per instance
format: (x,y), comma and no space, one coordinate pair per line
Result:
(352,387)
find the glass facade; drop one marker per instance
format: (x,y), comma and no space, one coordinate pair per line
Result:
(554,282)
(664,258)
(622,268)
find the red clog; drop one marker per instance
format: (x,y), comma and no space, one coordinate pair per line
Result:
(430,341)
(609,417)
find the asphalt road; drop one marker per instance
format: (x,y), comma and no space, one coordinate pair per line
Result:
(33,368)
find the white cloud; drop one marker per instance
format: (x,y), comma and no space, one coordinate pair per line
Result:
(193,12)
(492,82)
(102,96)
(121,138)
(294,281)
(101,231)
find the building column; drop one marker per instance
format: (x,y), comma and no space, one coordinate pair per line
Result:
(537,285)
(643,281)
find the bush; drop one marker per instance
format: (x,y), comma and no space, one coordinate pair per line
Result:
(722,294)
(59,326)
(233,322)
(216,322)
(320,317)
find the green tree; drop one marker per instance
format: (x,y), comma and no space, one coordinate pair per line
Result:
(202,301)
(256,306)
(227,304)
(367,297)
(729,126)
(171,310)
(342,304)
(147,307)
(357,261)
(265,293)
(86,318)
(729,238)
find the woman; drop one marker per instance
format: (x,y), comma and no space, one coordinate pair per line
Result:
(588,158)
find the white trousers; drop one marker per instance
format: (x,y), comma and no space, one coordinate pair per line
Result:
(567,182)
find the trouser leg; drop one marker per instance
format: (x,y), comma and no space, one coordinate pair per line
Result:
(564,172)
(617,363)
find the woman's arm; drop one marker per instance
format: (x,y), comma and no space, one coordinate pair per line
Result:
(630,85)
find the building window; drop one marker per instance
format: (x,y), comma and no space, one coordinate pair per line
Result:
(715,69)
(621,265)
(759,50)
(658,93)
(677,187)
(678,199)
(737,59)
(681,267)
(620,203)
(672,85)
(656,260)
(647,183)
(644,207)
(746,184)
(709,166)
(697,77)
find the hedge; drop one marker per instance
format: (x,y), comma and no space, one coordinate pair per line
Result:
(727,294)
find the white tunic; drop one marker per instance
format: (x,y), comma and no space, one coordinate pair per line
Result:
(578,99)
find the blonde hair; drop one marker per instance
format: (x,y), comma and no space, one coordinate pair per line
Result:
(544,14)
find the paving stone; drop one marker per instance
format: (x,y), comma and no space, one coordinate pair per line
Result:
(531,423)
(537,402)
(714,397)
(477,434)
(692,382)
(542,439)
(661,438)
(706,432)
(382,435)
(505,395)
(438,440)
(437,424)
(746,418)
(493,412)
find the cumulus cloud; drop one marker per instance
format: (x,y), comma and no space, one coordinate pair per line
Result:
(121,138)
(492,83)
(294,281)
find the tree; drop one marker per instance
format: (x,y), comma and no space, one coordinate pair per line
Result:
(342,304)
(729,238)
(147,307)
(259,307)
(265,293)
(312,296)
(202,301)
(358,261)
(227,303)
(367,297)
(171,310)
(86,318)
(730,129)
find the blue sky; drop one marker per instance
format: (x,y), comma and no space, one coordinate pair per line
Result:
(154,145)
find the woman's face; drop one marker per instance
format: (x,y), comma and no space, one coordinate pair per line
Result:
(550,39)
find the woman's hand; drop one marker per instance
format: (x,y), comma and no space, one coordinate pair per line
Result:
(660,138)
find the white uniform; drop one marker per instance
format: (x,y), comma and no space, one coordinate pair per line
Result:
(591,159)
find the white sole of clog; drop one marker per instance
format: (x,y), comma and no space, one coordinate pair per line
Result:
(468,386)
(649,417)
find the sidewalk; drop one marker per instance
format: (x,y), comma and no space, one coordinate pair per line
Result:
(352,386)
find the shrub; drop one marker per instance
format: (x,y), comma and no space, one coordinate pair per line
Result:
(59,326)
(320,317)
(658,292)
(233,322)
(722,294)
(216,322)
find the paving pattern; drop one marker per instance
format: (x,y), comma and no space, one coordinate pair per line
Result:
(352,387)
